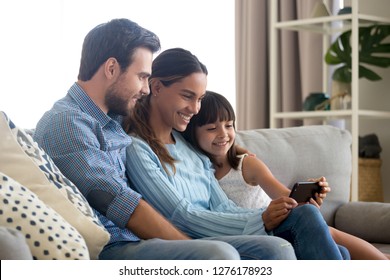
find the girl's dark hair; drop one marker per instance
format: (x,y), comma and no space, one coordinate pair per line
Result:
(215,107)
(118,38)
(168,67)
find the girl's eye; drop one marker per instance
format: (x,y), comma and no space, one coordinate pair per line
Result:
(229,124)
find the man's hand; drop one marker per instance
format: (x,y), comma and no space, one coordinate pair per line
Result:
(277,211)
(147,223)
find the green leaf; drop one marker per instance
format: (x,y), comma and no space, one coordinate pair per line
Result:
(376,61)
(371,50)
(368,74)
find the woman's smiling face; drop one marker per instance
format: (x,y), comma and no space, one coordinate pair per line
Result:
(178,102)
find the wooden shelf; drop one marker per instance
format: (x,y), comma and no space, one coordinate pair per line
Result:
(335,113)
(330,24)
(326,26)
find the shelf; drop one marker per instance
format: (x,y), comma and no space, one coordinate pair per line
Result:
(330,24)
(335,113)
(326,26)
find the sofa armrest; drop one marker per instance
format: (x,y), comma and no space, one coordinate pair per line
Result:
(13,245)
(367,220)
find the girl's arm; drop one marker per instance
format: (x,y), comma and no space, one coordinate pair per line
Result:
(256,172)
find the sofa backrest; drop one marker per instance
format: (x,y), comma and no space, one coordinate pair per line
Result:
(299,153)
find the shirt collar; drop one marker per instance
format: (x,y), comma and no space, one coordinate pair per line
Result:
(87,105)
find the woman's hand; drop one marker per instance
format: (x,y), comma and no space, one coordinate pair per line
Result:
(277,211)
(324,190)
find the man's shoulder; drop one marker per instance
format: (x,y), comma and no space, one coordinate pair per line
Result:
(63,116)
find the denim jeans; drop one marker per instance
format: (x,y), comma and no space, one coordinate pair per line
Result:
(309,234)
(214,248)
(303,235)
(158,249)
(259,247)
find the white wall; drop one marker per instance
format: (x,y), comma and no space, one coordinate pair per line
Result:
(376,95)
(41,44)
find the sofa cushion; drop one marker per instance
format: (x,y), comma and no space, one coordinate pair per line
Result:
(47,234)
(367,220)
(23,160)
(299,153)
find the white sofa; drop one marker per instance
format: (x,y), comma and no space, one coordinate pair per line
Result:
(293,154)
(298,153)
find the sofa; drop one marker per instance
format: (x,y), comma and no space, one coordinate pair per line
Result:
(44,216)
(299,153)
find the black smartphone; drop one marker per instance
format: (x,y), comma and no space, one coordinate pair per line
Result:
(303,191)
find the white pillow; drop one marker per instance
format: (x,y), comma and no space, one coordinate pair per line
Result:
(47,234)
(22,159)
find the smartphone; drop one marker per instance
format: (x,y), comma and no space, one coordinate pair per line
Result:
(303,191)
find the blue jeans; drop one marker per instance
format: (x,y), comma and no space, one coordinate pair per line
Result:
(309,234)
(259,247)
(214,248)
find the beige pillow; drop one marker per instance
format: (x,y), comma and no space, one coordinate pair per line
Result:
(47,234)
(22,159)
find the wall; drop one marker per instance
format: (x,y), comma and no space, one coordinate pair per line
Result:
(376,95)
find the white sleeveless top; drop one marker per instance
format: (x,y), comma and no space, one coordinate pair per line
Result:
(243,194)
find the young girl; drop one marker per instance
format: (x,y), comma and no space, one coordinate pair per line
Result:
(212,131)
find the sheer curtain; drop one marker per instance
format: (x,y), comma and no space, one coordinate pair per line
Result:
(300,61)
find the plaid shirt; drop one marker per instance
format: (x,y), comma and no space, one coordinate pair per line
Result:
(89,147)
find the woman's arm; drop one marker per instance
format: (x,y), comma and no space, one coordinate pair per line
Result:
(199,210)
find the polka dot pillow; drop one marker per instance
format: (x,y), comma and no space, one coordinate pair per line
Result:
(23,160)
(47,233)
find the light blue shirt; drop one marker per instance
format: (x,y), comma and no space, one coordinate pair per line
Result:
(191,198)
(89,147)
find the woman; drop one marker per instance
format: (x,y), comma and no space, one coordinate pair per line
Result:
(179,181)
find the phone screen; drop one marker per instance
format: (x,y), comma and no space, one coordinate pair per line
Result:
(303,191)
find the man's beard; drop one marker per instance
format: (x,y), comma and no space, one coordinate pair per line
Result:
(115,103)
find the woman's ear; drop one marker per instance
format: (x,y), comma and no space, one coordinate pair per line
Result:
(155,87)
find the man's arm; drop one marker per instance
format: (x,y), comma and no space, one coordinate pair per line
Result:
(147,223)
(86,159)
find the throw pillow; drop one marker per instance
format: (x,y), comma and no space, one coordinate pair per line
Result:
(47,234)
(23,160)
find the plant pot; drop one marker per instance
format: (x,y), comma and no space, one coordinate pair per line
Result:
(313,100)
(341,96)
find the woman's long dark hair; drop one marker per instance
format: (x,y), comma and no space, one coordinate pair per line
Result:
(169,67)
(215,107)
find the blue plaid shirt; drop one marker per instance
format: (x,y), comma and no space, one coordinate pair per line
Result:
(89,147)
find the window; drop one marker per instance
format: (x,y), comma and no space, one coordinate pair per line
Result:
(41,44)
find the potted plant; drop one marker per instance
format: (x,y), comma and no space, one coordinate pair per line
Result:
(371,52)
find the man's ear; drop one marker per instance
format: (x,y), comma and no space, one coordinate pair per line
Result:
(111,67)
